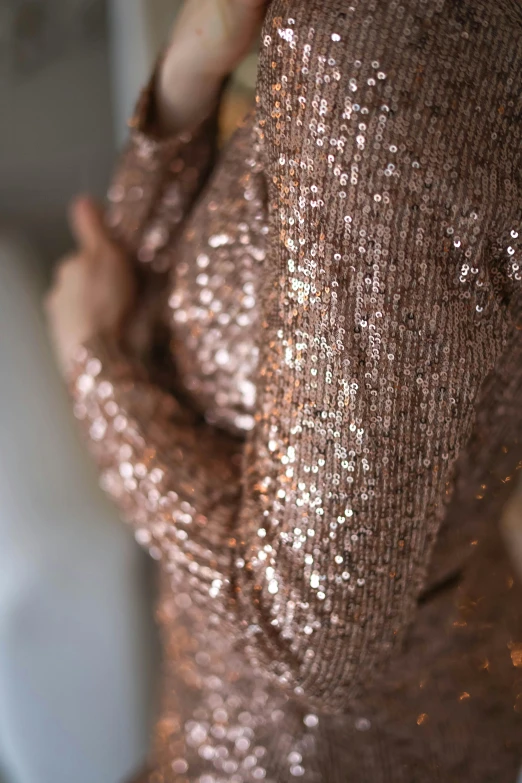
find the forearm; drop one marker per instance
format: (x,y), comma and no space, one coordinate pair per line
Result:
(208,40)
(184,98)
(174,128)
(169,473)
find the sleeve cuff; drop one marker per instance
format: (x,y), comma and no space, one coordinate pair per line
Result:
(144,126)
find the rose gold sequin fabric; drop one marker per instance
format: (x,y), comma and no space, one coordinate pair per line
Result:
(322,481)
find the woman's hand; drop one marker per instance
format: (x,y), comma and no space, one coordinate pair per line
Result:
(93,289)
(210,38)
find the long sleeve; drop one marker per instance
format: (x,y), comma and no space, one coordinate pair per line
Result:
(156,182)
(380,320)
(167,471)
(172,476)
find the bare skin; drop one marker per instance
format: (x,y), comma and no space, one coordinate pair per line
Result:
(94,287)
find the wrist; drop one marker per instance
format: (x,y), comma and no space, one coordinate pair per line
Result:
(185,93)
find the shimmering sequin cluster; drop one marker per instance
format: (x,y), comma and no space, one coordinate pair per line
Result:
(344,295)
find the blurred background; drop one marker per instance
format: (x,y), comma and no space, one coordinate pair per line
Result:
(77,646)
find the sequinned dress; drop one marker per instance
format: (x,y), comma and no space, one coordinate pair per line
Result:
(319,453)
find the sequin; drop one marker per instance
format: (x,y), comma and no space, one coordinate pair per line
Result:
(342,306)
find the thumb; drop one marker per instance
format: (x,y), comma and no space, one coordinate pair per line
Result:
(88,226)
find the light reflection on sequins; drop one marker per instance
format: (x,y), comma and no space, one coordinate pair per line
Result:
(355,251)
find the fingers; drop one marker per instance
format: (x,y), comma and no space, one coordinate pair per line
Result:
(96,249)
(70,274)
(95,246)
(93,288)
(88,227)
